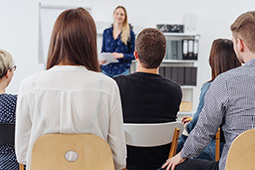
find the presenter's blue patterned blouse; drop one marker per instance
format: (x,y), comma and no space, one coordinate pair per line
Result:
(111,45)
(7,115)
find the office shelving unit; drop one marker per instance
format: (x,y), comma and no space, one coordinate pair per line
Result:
(190,92)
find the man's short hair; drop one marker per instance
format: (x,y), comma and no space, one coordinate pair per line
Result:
(151,47)
(244,28)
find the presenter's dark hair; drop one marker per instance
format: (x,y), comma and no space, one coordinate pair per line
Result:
(73,40)
(151,47)
(222,57)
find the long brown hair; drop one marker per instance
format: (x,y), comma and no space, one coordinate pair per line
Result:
(125,29)
(222,57)
(73,40)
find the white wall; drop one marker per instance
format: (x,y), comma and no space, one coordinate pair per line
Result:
(19,25)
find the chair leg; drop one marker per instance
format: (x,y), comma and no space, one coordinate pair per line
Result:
(21,167)
(174,143)
(217,145)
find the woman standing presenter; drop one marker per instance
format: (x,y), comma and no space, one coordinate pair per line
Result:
(119,40)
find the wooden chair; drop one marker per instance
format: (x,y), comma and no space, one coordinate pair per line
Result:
(51,151)
(217,145)
(241,154)
(149,135)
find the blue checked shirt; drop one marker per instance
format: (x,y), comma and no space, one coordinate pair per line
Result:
(230,101)
(111,45)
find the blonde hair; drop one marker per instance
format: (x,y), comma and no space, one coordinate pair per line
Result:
(6,62)
(125,29)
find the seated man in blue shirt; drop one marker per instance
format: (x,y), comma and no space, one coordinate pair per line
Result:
(147,97)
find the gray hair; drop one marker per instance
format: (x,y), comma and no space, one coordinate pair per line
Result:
(6,62)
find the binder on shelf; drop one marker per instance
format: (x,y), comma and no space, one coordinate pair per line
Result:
(174,50)
(185,49)
(190,22)
(179,50)
(180,75)
(187,76)
(195,49)
(194,76)
(174,75)
(168,49)
(190,77)
(190,49)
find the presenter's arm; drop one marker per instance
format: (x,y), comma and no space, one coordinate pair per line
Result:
(23,126)
(116,138)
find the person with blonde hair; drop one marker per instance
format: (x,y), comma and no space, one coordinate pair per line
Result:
(119,40)
(7,109)
(71,96)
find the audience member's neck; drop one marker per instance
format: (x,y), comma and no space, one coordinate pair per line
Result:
(146,70)
(2,86)
(248,58)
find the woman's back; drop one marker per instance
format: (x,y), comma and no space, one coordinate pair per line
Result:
(71,99)
(7,115)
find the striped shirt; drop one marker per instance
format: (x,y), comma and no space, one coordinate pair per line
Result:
(230,101)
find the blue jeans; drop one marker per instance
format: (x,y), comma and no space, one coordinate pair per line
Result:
(114,75)
(208,153)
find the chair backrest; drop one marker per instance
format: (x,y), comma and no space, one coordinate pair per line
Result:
(51,152)
(241,154)
(149,135)
(217,145)
(7,133)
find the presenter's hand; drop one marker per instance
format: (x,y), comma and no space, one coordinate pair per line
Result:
(172,162)
(117,55)
(101,62)
(186,119)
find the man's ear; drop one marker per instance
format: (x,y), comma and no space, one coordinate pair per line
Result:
(136,55)
(7,73)
(240,45)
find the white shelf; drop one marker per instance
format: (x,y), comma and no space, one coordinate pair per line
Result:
(188,87)
(178,61)
(181,34)
(184,63)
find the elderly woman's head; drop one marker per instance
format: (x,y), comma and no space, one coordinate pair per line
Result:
(6,63)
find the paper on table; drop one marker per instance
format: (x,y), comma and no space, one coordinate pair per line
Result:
(108,58)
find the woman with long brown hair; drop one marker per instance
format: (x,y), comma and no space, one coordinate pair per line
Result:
(119,40)
(222,58)
(71,96)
